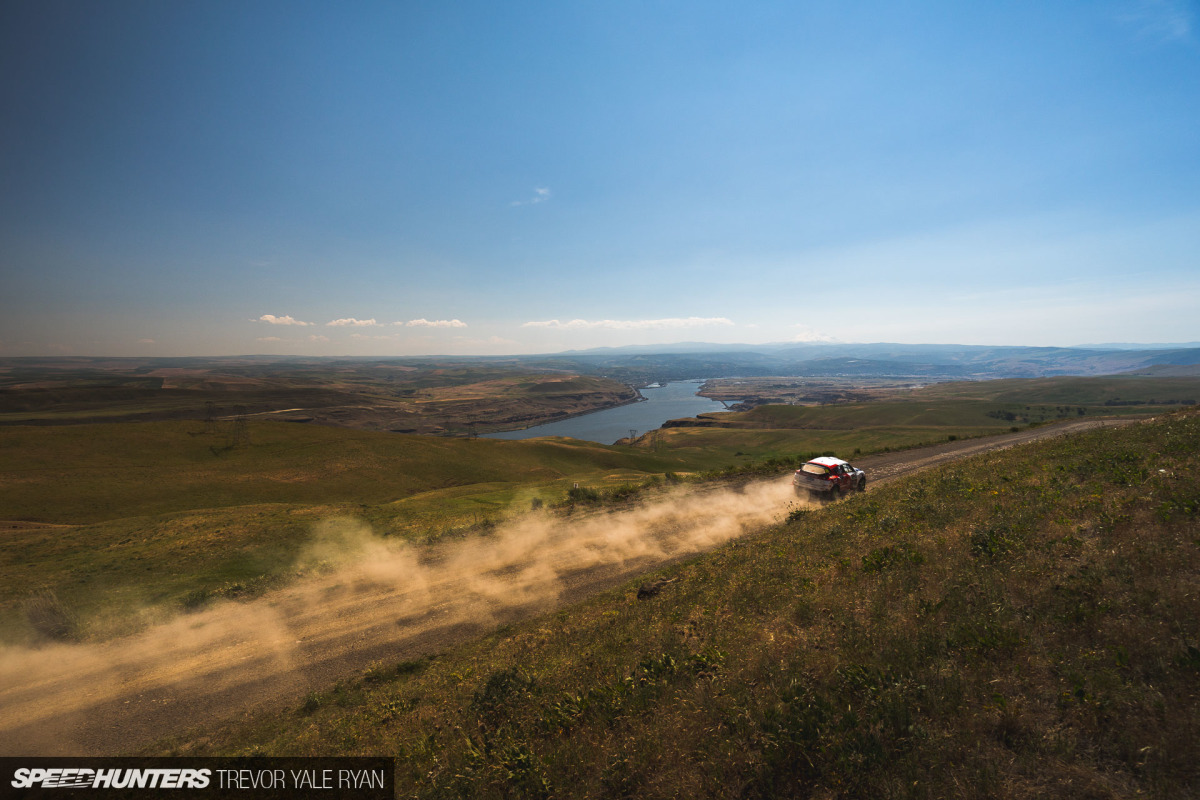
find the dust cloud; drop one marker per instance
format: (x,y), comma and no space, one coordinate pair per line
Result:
(369,598)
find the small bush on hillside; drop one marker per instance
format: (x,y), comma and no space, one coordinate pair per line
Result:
(312,701)
(500,694)
(625,491)
(196,599)
(582,494)
(49,616)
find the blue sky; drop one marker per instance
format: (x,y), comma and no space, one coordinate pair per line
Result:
(396,178)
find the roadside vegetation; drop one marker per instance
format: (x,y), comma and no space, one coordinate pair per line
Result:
(1020,624)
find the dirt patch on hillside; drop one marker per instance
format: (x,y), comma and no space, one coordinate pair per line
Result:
(25,525)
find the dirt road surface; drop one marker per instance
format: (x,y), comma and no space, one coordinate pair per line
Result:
(386,603)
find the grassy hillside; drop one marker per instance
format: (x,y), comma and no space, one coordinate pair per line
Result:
(168,514)
(1022,624)
(89,473)
(140,515)
(848,428)
(1091,391)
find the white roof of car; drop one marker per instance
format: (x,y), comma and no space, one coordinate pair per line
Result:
(827,461)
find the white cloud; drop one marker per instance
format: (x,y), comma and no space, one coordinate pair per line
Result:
(317,338)
(351,322)
(540,195)
(434,323)
(269,339)
(807,334)
(287,320)
(632,324)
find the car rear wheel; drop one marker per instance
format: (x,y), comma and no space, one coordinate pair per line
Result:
(835,493)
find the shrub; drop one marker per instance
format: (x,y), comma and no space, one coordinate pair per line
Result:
(312,701)
(798,513)
(503,691)
(49,616)
(625,491)
(582,494)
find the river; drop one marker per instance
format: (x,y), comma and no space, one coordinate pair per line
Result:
(672,401)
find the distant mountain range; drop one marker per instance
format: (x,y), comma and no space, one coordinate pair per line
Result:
(882,360)
(644,364)
(1127,346)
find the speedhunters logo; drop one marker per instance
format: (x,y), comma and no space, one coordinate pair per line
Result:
(247,778)
(80,778)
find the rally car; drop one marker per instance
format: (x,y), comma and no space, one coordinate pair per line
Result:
(828,477)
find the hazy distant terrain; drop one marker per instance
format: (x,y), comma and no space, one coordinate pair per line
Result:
(452,394)
(924,361)
(461,396)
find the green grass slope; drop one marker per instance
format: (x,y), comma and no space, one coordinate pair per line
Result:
(143,518)
(1089,391)
(91,473)
(1022,624)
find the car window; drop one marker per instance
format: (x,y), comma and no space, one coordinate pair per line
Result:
(815,469)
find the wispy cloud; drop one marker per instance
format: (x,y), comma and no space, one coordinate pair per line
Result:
(351,322)
(434,323)
(1160,20)
(632,324)
(286,320)
(807,334)
(318,338)
(269,339)
(540,195)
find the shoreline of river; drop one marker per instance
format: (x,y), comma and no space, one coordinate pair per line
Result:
(662,402)
(641,398)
